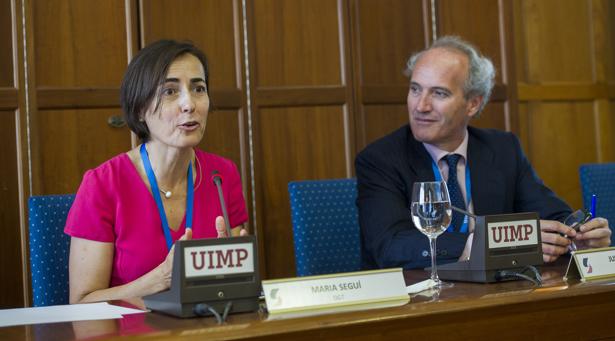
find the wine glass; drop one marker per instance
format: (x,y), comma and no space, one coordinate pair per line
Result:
(431,214)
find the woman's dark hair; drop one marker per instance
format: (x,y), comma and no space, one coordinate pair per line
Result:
(145,74)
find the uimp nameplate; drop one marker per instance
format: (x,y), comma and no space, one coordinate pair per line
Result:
(591,264)
(217,272)
(303,296)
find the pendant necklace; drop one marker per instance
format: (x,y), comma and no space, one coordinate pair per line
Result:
(155,189)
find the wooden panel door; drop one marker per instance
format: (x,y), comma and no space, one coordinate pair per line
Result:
(13,160)
(603,15)
(11,262)
(301,110)
(81,52)
(385,35)
(565,59)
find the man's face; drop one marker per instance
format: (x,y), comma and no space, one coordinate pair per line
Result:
(439,113)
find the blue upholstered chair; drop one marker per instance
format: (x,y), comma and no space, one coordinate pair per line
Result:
(599,179)
(325,226)
(49,248)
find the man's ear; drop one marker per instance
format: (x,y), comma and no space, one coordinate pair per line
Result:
(473,106)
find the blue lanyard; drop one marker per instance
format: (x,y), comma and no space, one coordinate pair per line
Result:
(156,192)
(436,173)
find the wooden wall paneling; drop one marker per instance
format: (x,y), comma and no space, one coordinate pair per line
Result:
(295,45)
(7,75)
(564,51)
(610,122)
(554,131)
(483,33)
(71,36)
(27,156)
(87,141)
(133,43)
(8,98)
(382,119)
(486,34)
(493,116)
(295,144)
(11,261)
(223,137)
(604,123)
(599,28)
(521,73)
(79,57)
(509,64)
(524,126)
(520,34)
(609,21)
(557,41)
(216,28)
(211,25)
(603,30)
(302,112)
(13,163)
(385,34)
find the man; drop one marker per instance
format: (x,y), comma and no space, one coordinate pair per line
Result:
(450,83)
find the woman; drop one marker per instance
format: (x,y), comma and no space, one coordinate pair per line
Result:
(130,210)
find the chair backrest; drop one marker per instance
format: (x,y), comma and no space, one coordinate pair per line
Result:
(49,248)
(325,226)
(599,179)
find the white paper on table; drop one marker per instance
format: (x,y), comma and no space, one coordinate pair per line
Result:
(125,311)
(63,313)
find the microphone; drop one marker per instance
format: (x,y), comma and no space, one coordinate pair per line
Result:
(213,275)
(217,179)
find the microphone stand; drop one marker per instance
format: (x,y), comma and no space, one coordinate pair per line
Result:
(464,212)
(218,182)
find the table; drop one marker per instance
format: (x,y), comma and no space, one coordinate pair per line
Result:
(508,310)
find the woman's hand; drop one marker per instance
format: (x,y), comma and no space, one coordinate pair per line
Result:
(90,270)
(235,231)
(166,267)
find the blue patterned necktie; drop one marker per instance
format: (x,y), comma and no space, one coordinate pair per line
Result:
(454,191)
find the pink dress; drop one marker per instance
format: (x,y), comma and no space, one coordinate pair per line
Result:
(114,205)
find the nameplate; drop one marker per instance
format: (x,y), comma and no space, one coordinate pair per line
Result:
(512,233)
(214,271)
(303,296)
(220,259)
(591,264)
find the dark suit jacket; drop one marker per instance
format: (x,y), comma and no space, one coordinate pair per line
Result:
(503,181)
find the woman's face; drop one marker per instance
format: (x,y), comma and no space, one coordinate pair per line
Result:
(184,105)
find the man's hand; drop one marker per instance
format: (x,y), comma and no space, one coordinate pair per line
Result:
(553,243)
(593,234)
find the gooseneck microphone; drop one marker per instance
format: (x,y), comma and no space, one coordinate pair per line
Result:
(217,179)
(217,276)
